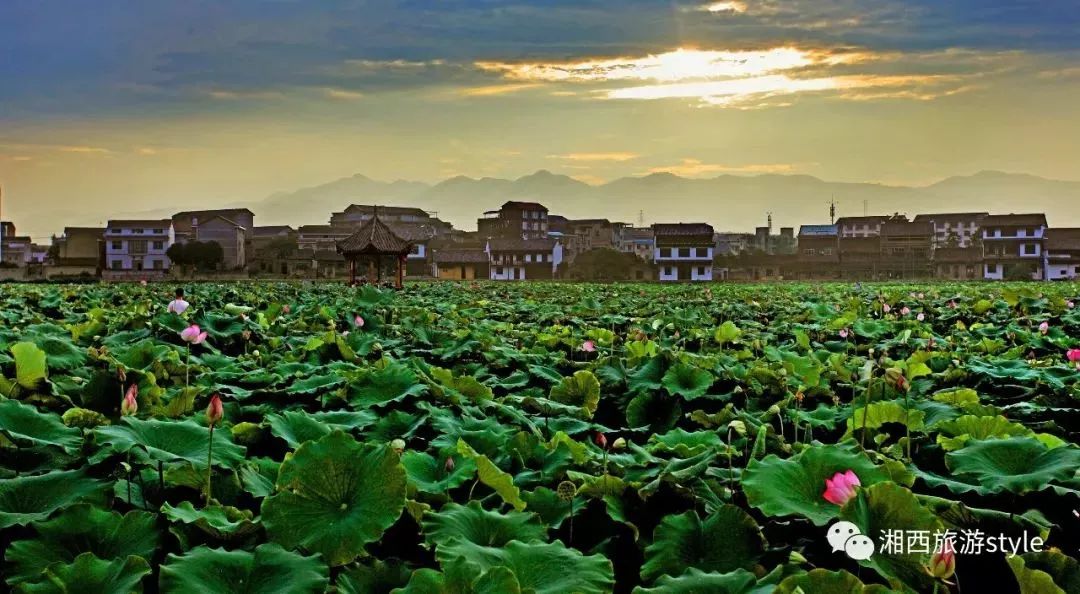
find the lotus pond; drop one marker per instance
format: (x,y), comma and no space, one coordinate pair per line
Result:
(539,438)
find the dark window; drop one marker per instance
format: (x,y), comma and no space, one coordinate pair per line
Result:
(1030,249)
(159,245)
(684,252)
(117,245)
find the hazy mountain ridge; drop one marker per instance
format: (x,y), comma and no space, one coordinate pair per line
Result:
(728,202)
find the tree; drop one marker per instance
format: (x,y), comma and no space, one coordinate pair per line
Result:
(604,264)
(196,255)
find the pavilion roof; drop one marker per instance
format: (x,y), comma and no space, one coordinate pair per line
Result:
(374,237)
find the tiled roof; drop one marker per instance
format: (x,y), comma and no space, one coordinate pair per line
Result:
(474,256)
(1025,220)
(1063,238)
(271,230)
(386,210)
(682,229)
(374,237)
(817,230)
(949,217)
(123,223)
(517,244)
(524,205)
(416,232)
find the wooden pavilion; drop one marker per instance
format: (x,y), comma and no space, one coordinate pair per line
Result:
(372,243)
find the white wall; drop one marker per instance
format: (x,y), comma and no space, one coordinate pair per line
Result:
(696,253)
(518,272)
(665,274)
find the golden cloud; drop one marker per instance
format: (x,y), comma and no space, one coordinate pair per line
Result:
(695,167)
(614,156)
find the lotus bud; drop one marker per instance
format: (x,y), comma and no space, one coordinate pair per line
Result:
(398,445)
(601,440)
(193,335)
(214,412)
(255,352)
(246,334)
(619,444)
(130,405)
(449,464)
(943,563)
(773,410)
(796,558)
(841,487)
(358,321)
(285,309)
(738,426)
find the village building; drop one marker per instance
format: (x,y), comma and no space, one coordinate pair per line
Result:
(683,251)
(1013,246)
(137,246)
(523,258)
(957,230)
(1062,260)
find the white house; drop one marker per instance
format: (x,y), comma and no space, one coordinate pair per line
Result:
(1013,246)
(1062,254)
(520,259)
(960,228)
(138,245)
(683,251)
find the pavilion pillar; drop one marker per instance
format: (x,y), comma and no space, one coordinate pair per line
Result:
(378,268)
(400,271)
(352,272)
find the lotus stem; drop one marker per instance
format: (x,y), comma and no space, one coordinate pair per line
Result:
(866,409)
(210,464)
(161,478)
(187,367)
(907,425)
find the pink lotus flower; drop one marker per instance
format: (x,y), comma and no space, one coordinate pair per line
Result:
(143,282)
(1071,304)
(841,487)
(844,333)
(1073,355)
(905,310)
(358,321)
(214,412)
(886,308)
(588,346)
(130,406)
(1044,327)
(192,335)
(952,305)
(921,317)
(285,308)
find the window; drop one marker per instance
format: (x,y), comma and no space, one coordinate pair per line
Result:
(138,231)
(701,271)
(116,264)
(684,252)
(159,245)
(137,246)
(827,252)
(528,257)
(808,252)
(1030,249)
(117,245)
(669,270)
(665,252)
(549,258)
(499,270)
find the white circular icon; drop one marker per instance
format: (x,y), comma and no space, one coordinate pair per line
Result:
(859,547)
(839,533)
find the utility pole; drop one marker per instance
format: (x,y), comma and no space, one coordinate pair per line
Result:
(641,218)
(832,210)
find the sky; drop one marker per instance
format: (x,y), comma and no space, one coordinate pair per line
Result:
(130,105)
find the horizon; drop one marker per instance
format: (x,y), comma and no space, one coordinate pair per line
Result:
(121,108)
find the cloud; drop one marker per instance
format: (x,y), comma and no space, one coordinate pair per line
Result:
(695,167)
(588,157)
(146,151)
(342,94)
(733,6)
(500,89)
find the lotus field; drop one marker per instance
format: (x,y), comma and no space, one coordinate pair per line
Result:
(540,438)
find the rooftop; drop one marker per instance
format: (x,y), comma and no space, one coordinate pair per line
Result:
(942,217)
(1024,220)
(817,230)
(374,237)
(1063,238)
(670,229)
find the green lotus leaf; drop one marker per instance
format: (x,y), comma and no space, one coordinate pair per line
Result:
(1016,464)
(646,377)
(727,540)
(547,504)
(60,354)
(221,326)
(685,444)
(269,569)
(687,381)
(316,384)
(887,507)
(727,332)
(545,568)
(962,398)
(296,426)
(490,474)
(954,434)
(880,413)
(429,474)
(30,366)
(22,423)
(1030,580)
(79,529)
(459,387)
(334,496)
(458,579)
(582,389)
(1064,572)
(219,522)
(695,581)
(378,577)
(26,499)
(386,382)
(157,440)
(90,575)
(796,486)
(473,524)
(653,410)
(822,581)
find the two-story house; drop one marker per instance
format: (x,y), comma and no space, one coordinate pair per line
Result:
(528,220)
(906,248)
(638,241)
(683,251)
(868,226)
(818,255)
(956,229)
(137,246)
(1013,246)
(521,259)
(1062,253)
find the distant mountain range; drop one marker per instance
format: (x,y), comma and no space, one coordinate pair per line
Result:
(728,202)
